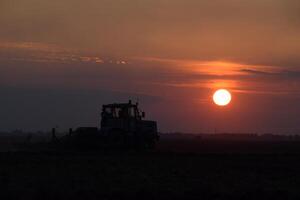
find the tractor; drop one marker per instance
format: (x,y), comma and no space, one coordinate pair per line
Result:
(121,126)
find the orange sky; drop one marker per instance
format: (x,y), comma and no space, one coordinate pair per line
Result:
(171,55)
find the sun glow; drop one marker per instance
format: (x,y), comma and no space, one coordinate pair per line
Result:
(222,97)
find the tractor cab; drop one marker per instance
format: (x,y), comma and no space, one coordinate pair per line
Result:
(121,111)
(125,120)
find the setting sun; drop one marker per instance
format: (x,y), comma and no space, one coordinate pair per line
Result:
(222,97)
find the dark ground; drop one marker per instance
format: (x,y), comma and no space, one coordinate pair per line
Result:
(178,169)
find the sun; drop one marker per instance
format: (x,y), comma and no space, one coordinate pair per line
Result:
(222,97)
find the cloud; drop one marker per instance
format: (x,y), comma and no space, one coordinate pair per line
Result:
(49,53)
(47,64)
(279,74)
(44,108)
(255,32)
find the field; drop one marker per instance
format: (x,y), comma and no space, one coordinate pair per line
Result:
(177,169)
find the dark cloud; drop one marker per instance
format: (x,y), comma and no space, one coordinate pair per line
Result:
(281,74)
(44,108)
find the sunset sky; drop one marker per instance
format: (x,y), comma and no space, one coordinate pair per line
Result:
(60,60)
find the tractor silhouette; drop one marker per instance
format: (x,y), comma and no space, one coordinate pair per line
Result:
(121,126)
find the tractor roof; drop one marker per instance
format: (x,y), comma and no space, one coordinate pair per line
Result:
(120,105)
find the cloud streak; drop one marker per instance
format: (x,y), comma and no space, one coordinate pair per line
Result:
(46,64)
(49,53)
